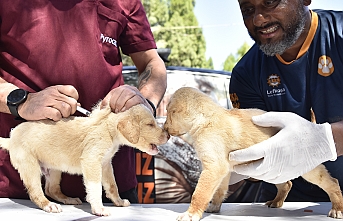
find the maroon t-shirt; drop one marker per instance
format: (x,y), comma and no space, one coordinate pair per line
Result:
(69,42)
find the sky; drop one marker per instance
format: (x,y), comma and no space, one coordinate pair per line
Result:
(224,30)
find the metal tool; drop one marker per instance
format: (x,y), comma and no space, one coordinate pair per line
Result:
(83,111)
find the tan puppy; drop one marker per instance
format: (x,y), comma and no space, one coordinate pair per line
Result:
(214,132)
(80,145)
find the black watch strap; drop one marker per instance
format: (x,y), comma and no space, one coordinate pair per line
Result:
(13,110)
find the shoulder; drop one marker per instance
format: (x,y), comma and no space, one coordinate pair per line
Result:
(330,18)
(328,13)
(329,34)
(126,8)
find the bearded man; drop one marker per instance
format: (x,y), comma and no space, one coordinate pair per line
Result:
(294,68)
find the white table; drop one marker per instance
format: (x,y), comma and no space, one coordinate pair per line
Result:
(14,209)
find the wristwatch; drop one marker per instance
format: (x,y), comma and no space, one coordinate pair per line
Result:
(14,99)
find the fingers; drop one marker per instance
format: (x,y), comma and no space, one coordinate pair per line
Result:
(122,98)
(276,119)
(68,91)
(54,103)
(127,98)
(250,169)
(52,114)
(259,170)
(63,109)
(269,119)
(68,100)
(254,152)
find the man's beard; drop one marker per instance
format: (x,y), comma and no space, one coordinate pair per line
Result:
(292,33)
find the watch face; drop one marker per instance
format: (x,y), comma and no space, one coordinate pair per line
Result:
(17,96)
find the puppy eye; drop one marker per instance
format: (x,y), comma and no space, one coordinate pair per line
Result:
(151,124)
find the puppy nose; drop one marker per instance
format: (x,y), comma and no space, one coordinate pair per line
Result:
(168,136)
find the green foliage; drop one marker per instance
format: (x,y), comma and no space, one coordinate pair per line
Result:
(175,26)
(232,60)
(242,50)
(229,63)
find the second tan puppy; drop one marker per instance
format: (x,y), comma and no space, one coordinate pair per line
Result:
(214,132)
(80,145)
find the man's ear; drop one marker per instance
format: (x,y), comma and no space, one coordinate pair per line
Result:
(307,2)
(129,128)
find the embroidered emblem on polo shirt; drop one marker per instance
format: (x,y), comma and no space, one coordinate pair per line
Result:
(234,100)
(274,80)
(325,66)
(106,39)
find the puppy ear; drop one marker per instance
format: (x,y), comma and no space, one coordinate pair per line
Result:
(129,128)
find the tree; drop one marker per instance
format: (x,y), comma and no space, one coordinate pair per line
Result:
(232,60)
(175,26)
(229,63)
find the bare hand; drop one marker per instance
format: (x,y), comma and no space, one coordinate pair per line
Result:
(124,97)
(53,103)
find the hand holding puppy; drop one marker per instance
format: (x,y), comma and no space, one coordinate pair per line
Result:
(296,149)
(124,97)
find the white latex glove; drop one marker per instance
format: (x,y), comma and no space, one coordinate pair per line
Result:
(296,149)
(235,178)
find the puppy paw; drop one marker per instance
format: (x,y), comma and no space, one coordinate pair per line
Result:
(212,208)
(335,214)
(72,201)
(274,204)
(101,211)
(53,208)
(188,217)
(121,202)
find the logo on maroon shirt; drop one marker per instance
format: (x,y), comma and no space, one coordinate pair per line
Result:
(106,39)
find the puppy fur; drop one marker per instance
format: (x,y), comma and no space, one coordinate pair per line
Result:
(214,132)
(80,145)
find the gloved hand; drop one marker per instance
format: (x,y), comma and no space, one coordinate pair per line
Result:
(235,178)
(296,149)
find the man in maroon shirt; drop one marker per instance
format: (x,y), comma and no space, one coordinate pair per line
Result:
(67,52)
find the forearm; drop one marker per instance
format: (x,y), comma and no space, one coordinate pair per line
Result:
(152,79)
(5,89)
(152,82)
(337,131)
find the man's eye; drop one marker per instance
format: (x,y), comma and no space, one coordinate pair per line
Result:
(271,3)
(247,11)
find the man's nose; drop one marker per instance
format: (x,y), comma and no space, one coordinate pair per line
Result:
(260,18)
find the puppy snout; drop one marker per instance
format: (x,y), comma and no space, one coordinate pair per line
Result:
(167,136)
(166,126)
(168,130)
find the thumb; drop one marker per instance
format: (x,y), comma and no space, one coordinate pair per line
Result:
(269,119)
(249,169)
(253,152)
(105,102)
